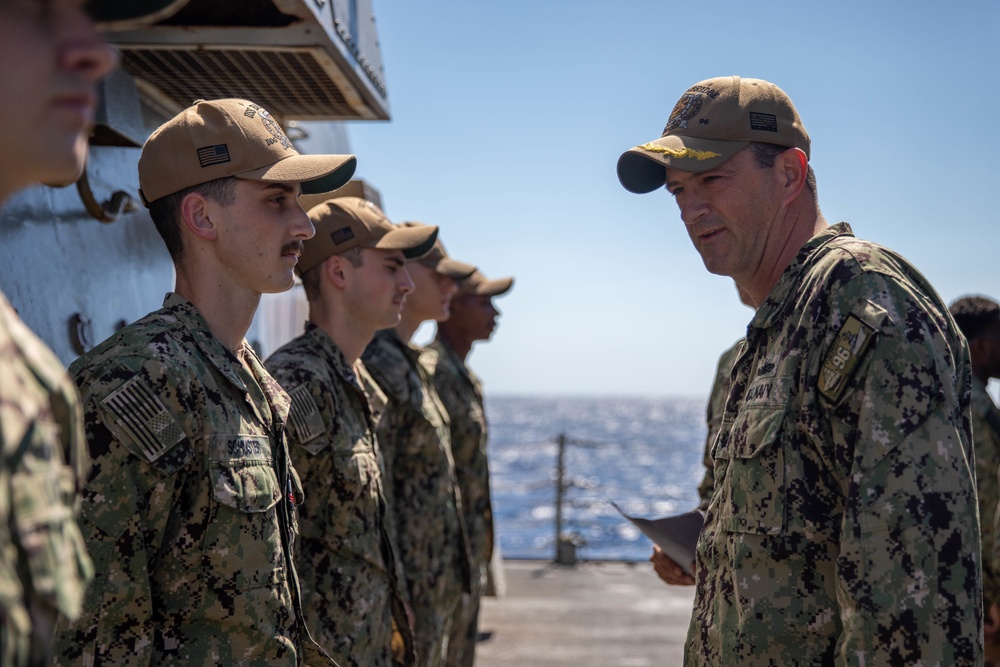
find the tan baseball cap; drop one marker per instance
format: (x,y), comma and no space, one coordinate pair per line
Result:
(439,260)
(351,222)
(713,121)
(231,137)
(479,285)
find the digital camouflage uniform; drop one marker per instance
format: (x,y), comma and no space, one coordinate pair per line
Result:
(713,418)
(421,490)
(189,509)
(986,436)
(44,568)
(843,527)
(462,396)
(345,557)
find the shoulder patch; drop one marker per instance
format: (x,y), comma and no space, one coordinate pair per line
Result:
(142,416)
(848,347)
(304,416)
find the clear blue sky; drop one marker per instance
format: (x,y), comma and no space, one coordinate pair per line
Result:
(508,119)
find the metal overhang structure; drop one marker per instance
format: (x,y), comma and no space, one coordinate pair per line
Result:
(300,59)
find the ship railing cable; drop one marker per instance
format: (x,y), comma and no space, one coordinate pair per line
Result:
(582,498)
(567,543)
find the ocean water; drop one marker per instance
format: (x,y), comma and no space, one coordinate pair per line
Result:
(643,454)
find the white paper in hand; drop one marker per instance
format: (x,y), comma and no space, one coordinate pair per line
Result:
(677,535)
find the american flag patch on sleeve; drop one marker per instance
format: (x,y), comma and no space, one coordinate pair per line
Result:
(304,415)
(141,416)
(210,155)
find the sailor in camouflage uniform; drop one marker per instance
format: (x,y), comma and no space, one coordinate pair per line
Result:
(843,526)
(414,435)
(355,279)
(473,318)
(978,318)
(44,567)
(189,508)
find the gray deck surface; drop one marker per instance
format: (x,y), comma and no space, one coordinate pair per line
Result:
(602,614)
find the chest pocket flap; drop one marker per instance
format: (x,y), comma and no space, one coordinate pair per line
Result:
(752,492)
(243,475)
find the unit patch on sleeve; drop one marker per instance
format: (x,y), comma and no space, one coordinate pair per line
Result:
(304,415)
(848,347)
(141,415)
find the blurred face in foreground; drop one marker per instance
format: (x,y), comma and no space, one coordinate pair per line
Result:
(51,59)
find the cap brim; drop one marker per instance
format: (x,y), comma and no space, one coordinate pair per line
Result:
(454,268)
(318,174)
(492,287)
(644,168)
(415,242)
(308,202)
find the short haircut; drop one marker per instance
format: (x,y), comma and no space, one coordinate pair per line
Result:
(166,211)
(764,155)
(310,279)
(973,314)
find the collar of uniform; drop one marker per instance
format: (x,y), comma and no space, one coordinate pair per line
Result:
(224,360)
(277,398)
(788,285)
(333,354)
(189,317)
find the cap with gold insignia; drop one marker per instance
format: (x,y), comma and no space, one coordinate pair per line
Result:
(713,121)
(439,260)
(231,137)
(351,222)
(479,285)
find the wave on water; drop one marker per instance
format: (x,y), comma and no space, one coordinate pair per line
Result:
(643,454)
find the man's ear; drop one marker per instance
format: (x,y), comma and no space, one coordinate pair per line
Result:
(195,216)
(794,168)
(334,270)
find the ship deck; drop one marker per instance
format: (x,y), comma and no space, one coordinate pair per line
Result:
(594,613)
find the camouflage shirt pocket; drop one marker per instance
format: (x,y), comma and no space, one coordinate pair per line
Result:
(753,491)
(247,486)
(243,546)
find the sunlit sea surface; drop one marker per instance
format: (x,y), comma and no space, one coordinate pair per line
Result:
(643,454)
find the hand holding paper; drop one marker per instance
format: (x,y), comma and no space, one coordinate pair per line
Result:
(676,537)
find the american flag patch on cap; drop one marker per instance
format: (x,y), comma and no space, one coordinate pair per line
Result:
(142,416)
(304,415)
(342,235)
(210,155)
